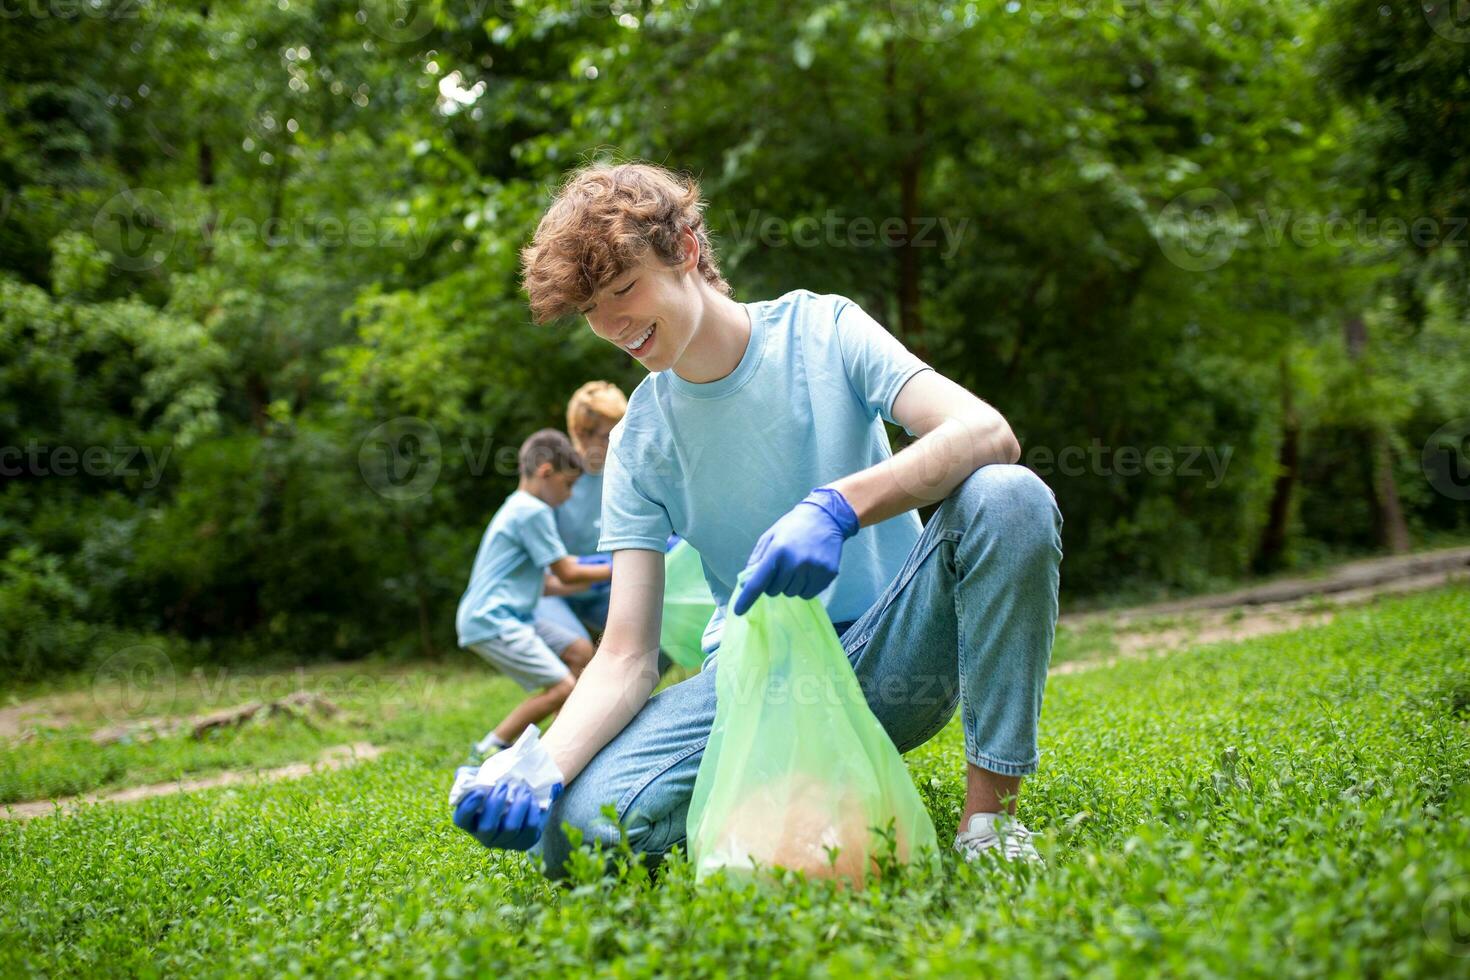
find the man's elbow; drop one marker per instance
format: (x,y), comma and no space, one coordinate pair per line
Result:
(632,660)
(1012,447)
(997,443)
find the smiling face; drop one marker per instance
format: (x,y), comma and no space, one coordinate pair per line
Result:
(649,310)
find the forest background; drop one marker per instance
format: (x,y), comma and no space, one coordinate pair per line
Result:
(265,360)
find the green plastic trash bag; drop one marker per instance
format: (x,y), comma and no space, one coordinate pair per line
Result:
(798,773)
(688,606)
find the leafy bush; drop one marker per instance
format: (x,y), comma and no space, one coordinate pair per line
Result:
(40,609)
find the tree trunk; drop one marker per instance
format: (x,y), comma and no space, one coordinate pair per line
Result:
(910,173)
(1383,492)
(258,395)
(421,591)
(1393,530)
(211,218)
(1272,551)
(206,181)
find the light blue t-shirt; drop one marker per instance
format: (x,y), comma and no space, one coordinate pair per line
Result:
(509,569)
(579,520)
(719,463)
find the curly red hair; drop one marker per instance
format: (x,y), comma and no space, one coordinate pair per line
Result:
(605,219)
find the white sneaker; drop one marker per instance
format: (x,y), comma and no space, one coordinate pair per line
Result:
(486,747)
(1000,836)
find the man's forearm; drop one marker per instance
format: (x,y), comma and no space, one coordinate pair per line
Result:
(612,689)
(929,470)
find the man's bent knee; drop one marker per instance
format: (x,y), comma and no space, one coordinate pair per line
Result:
(577,813)
(1009,498)
(1006,485)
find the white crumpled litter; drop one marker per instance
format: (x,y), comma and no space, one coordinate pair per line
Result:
(526,761)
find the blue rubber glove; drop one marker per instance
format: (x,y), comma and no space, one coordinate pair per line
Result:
(597,588)
(800,553)
(503,803)
(503,816)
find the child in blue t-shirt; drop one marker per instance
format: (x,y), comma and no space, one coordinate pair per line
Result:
(592,411)
(496,617)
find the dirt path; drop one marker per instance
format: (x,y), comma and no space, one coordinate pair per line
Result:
(1362,578)
(336,757)
(18,719)
(1275,607)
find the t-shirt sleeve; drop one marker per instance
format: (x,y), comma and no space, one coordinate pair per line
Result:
(877,363)
(630,519)
(540,539)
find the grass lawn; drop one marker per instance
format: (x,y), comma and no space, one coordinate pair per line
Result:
(1293,806)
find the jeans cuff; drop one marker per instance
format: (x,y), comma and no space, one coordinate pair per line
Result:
(1004,768)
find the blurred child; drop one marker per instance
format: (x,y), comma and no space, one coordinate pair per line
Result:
(592,412)
(496,617)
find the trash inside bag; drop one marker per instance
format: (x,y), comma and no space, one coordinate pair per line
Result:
(798,773)
(688,606)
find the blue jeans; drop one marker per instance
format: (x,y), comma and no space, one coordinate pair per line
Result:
(969,621)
